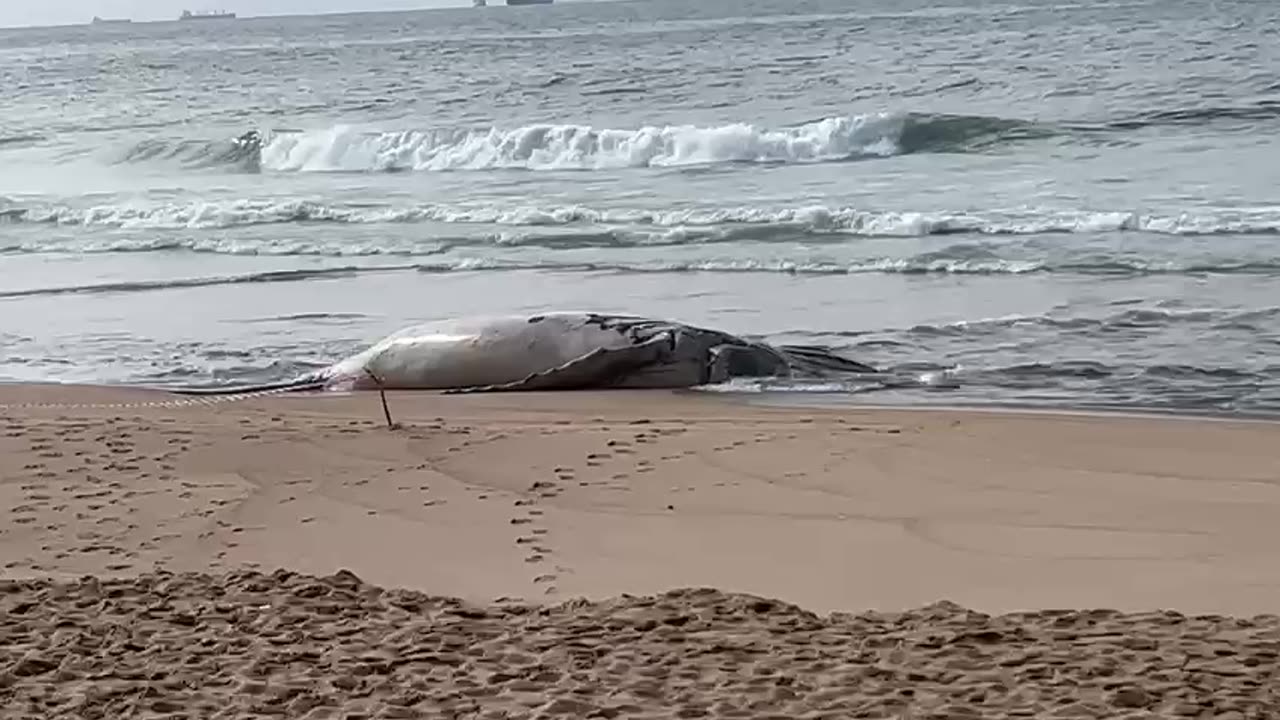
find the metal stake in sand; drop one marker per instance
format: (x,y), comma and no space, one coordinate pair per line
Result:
(382,393)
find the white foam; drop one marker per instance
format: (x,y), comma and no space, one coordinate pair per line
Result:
(580,147)
(667,226)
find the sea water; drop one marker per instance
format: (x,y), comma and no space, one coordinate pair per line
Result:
(1046,202)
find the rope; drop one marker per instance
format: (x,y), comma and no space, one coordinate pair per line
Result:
(174,403)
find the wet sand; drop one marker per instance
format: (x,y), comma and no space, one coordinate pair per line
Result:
(145,544)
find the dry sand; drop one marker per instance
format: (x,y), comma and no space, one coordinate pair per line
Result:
(212,534)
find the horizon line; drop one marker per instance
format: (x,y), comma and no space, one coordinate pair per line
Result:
(272,16)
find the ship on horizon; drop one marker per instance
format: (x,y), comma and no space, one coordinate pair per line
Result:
(529,2)
(111,21)
(207,15)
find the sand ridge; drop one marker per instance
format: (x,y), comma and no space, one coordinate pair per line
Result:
(293,645)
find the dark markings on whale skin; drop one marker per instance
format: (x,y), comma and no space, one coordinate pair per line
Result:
(754,359)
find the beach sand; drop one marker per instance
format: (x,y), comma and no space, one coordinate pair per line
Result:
(629,554)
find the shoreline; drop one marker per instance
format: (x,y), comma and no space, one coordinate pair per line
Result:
(1066,409)
(782,399)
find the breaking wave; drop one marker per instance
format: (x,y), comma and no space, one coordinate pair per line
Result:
(568,146)
(731,223)
(175,283)
(19,140)
(243,152)
(1125,320)
(1194,117)
(925,264)
(582,147)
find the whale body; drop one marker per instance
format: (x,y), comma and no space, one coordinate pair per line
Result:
(561,351)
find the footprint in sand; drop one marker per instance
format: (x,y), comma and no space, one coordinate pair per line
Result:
(545,489)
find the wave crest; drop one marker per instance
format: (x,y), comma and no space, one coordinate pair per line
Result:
(580,147)
(929,264)
(570,146)
(242,152)
(677,226)
(567,146)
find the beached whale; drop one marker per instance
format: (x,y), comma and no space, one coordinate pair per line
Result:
(561,351)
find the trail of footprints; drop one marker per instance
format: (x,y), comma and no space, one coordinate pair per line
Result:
(534,540)
(614,466)
(597,469)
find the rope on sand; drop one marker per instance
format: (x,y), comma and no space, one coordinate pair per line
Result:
(192,401)
(173,403)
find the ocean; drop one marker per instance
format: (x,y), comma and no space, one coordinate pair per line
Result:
(1050,204)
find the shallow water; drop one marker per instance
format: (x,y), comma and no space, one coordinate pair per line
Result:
(1034,203)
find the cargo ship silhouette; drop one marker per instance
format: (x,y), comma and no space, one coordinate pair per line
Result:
(206,15)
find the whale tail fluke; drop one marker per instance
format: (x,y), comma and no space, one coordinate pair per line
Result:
(299,384)
(819,360)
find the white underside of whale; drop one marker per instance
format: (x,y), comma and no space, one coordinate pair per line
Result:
(567,347)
